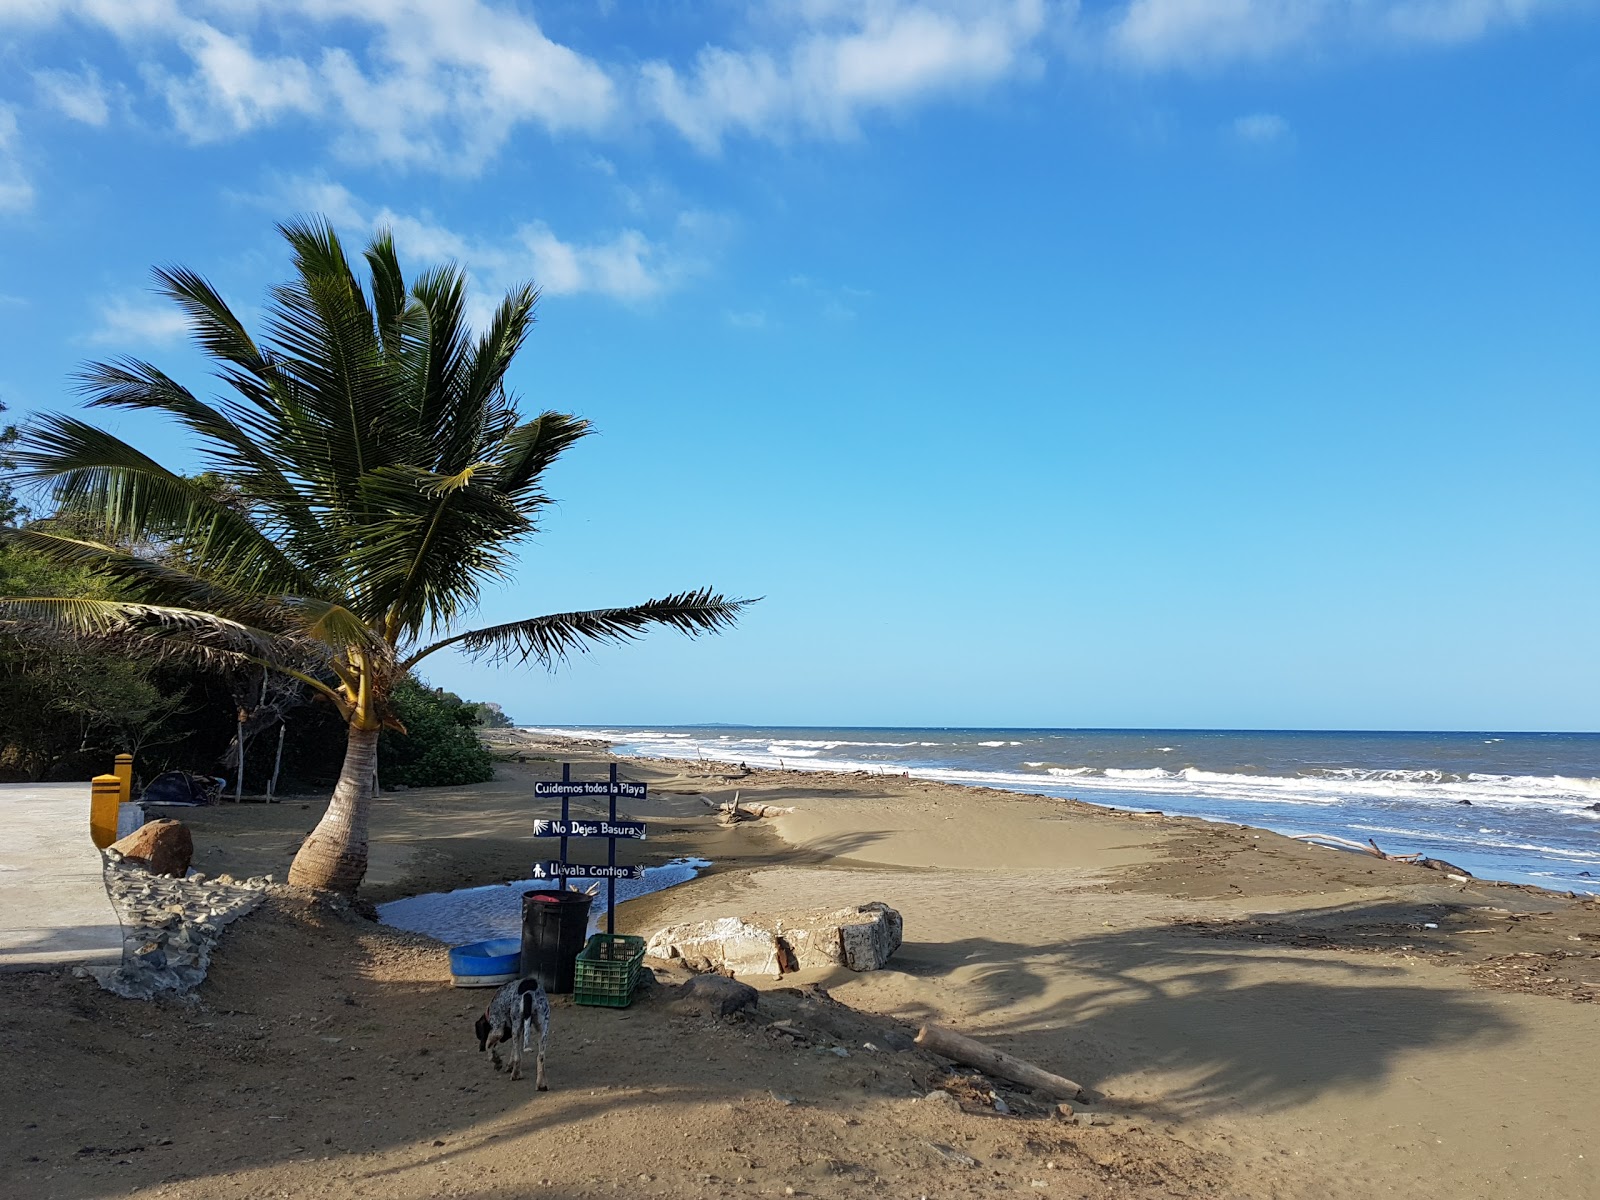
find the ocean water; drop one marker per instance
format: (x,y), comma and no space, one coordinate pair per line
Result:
(1523,807)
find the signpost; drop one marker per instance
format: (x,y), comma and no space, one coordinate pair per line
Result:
(611,829)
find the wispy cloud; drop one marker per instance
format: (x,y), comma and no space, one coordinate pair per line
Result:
(438,83)
(843,61)
(445,84)
(1261,129)
(76,94)
(754,318)
(836,302)
(1159,34)
(134,323)
(16,190)
(624,265)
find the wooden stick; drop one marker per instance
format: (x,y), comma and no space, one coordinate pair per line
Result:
(993,1062)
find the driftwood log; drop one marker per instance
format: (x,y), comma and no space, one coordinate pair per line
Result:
(730,811)
(994,1062)
(1372,848)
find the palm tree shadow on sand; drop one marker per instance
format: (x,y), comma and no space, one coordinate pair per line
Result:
(1221,1022)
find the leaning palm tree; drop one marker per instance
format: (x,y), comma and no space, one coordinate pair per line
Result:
(367,473)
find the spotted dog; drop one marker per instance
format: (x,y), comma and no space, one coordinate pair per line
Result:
(516,1010)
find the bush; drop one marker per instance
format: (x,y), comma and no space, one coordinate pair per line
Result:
(440,747)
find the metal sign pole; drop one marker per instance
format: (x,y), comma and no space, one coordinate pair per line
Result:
(566,815)
(611,860)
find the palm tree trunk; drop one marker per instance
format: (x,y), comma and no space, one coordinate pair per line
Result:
(335,855)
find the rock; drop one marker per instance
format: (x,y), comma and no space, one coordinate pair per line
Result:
(165,847)
(726,944)
(713,996)
(860,938)
(951,1155)
(1065,1110)
(942,1099)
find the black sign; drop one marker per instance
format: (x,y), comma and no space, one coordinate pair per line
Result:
(601,787)
(590,829)
(560,870)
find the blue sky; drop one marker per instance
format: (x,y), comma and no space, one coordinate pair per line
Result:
(1207,363)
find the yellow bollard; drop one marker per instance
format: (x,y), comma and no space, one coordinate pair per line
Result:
(124,773)
(105,798)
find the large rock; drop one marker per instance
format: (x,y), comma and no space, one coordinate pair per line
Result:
(164,847)
(713,996)
(727,944)
(860,938)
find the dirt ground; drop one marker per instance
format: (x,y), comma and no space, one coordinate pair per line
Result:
(1256,1017)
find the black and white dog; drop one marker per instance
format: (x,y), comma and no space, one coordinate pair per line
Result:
(515,1012)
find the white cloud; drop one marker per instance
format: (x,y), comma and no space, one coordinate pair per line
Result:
(16,191)
(440,83)
(1159,34)
(1261,128)
(79,95)
(136,323)
(1455,20)
(624,265)
(445,84)
(846,60)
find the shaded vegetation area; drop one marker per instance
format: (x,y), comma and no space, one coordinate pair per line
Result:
(68,707)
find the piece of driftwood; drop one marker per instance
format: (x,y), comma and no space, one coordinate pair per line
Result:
(1371,847)
(994,1062)
(731,811)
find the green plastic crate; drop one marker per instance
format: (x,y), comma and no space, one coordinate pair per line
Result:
(607,970)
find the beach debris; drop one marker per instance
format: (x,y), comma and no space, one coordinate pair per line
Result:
(713,996)
(162,847)
(1459,874)
(860,938)
(962,1049)
(731,812)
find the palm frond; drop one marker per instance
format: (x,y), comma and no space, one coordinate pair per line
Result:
(344,392)
(149,580)
(530,449)
(129,621)
(133,497)
(548,640)
(389,297)
(235,439)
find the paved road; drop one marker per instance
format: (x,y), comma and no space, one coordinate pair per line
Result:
(53,903)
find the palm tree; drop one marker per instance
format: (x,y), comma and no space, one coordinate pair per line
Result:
(367,474)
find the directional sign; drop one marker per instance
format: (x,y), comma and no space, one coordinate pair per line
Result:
(560,870)
(602,787)
(590,829)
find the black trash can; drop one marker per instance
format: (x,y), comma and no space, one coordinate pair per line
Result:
(554,927)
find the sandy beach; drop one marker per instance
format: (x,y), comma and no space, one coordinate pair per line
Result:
(1257,1017)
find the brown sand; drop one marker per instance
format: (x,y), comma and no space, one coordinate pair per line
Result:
(1263,1018)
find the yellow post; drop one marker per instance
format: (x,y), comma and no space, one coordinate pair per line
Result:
(124,773)
(105,797)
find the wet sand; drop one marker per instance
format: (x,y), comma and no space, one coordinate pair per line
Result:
(1262,1017)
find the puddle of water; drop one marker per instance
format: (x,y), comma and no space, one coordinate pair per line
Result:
(477,914)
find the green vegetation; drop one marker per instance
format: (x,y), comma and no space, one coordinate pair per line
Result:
(440,745)
(68,706)
(366,476)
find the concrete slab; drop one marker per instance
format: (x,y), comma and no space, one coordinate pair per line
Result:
(53,904)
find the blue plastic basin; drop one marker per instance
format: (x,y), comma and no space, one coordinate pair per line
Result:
(498,960)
